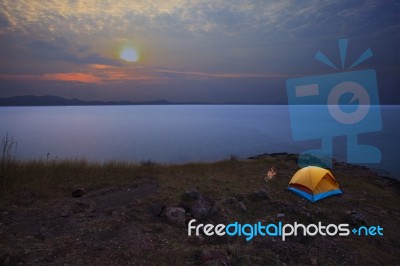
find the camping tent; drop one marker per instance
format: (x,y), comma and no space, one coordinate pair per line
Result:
(314,183)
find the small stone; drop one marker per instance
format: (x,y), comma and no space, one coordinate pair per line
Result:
(231,201)
(79,192)
(175,215)
(242,206)
(307,214)
(213,257)
(357,218)
(200,209)
(203,208)
(64,214)
(191,195)
(108,211)
(199,206)
(156,209)
(314,261)
(260,194)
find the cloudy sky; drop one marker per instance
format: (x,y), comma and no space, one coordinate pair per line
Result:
(208,51)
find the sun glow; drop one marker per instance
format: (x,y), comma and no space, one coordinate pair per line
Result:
(129,54)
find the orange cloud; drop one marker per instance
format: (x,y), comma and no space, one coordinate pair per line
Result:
(99,66)
(102,74)
(77,77)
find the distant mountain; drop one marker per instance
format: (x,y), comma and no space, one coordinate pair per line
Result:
(49,100)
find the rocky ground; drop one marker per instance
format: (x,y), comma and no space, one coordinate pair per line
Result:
(143,220)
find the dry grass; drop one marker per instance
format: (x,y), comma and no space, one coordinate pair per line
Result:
(364,192)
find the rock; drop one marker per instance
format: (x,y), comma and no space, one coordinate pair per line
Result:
(227,204)
(64,213)
(230,202)
(200,209)
(306,214)
(79,192)
(260,194)
(212,257)
(191,195)
(42,233)
(314,261)
(242,206)
(175,215)
(157,209)
(199,206)
(357,218)
(108,211)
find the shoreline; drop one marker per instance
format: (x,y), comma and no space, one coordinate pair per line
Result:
(44,166)
(381,172)
(150,161)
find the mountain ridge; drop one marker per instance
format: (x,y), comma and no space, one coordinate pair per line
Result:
(51,100)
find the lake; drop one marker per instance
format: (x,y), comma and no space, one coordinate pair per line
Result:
(175,133)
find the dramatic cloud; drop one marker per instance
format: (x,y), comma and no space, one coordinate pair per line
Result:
(176,41)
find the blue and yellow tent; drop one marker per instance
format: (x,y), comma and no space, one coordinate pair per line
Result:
(314,183)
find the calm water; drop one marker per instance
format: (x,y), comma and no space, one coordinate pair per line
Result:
(173,134)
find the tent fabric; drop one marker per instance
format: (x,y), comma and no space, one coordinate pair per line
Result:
(315,197)
(314,183)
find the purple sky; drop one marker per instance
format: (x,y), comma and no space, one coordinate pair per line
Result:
(207,51)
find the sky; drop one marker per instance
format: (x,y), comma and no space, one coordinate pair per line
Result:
(183,51)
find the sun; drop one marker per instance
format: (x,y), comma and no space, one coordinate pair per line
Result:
(129,54)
